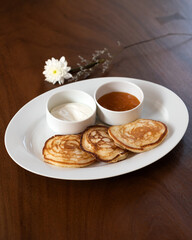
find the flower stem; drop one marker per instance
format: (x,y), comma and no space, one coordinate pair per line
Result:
(88,66)
(102,60)
(156,38)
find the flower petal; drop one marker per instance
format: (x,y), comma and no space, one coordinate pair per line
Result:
(62,59)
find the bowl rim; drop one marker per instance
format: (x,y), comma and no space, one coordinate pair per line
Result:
(113,111)
(73,121)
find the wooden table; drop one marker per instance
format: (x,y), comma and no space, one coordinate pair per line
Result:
(152,203)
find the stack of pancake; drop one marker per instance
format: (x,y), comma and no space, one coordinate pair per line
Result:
(65,151)
(102,143)
(96,140)
(139,136)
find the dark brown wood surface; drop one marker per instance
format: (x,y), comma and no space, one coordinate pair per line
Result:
(152,203)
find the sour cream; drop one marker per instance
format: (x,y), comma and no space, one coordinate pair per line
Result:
(72,111)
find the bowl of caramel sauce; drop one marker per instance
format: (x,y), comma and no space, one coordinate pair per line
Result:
(119,102)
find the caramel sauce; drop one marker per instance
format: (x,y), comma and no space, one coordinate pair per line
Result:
(118,101)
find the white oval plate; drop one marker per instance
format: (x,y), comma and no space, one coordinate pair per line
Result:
(27,132)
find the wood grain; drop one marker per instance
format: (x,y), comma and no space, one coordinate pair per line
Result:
(151,203)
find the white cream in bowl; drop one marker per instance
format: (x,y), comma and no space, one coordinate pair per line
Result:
(70,111)
(74,111)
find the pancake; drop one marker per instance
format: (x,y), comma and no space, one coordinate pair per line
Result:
(96,140)
(65,151)
(139,136)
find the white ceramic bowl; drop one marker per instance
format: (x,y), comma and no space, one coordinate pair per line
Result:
(119,117)
(69,96)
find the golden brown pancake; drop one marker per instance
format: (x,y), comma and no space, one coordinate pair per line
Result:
(140,135)
(96,140)
(65,151)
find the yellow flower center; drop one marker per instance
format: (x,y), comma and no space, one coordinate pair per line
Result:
(54,71)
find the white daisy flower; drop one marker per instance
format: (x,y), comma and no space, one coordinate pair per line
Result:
(56,70)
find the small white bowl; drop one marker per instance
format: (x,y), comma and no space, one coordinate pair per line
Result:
(69,96)
(119,117)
